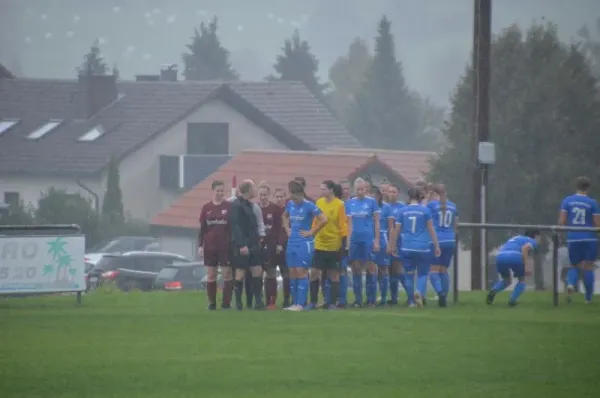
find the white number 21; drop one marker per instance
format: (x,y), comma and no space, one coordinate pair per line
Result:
(413,223)
(578,216)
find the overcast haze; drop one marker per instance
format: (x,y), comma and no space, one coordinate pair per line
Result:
(48,38)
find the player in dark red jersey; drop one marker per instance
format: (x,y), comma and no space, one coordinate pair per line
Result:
(280,199)
(214,245)
(272,243)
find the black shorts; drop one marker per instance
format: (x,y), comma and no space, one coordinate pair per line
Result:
(253,259)
(326,259)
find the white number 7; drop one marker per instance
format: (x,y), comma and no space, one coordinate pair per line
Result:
(413,225)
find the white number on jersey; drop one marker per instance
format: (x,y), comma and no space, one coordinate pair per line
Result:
(578,216)
(445,219)
(413,225)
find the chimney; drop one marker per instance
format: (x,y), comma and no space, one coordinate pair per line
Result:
(95,93)
(168,73)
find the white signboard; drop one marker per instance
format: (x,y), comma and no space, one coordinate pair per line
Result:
(42,264)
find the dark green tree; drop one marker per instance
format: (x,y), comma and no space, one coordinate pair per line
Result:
(93,62)
(17,214)
(383,113)
(544,120)
(590,45)
(298,63)
(57,206)
(347,75)
(112,203)
(207,59)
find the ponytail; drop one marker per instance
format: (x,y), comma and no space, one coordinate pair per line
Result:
(440,189)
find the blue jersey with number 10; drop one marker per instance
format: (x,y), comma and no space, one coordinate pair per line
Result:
(443,220)
(580,211)
(413,219)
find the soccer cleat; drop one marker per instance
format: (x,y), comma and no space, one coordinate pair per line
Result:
(272,307)
(341,306)
(212,307)
(239,306)
(512,303)
(259,306)
(225,307)
(356,304)
(311,306)
(296,308)
(286,303)
(371,305)
(588,301)
(418,300)
(412,305)
(382,304)
(490,298)
(392,302)
(442,302)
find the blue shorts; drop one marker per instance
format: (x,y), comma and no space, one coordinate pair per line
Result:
(445,258)
(415,261)
(382,258)
(506,262)
(583,250)
(344,263)
(360,251)
(299,254)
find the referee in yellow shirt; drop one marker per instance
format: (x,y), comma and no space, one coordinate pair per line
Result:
(329,240)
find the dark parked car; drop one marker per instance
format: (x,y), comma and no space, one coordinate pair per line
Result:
(132,270)
(181,276)
(121,244)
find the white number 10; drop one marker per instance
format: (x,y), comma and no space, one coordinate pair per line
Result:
(445,219)
(578,216)
(413,223)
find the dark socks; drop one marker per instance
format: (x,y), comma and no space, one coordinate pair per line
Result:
(211,292)
(238,287)
(335,290)
(257,290)
(227,291)
(286,290)
(314,292)
(248,288)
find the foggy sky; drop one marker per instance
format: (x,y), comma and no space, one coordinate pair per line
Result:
(47,38)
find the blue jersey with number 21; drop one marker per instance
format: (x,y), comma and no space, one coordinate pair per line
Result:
(580,211)
(413,219)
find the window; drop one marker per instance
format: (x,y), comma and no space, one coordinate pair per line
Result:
(93,134)
(6,124)
(207,138)
(44,129)
(11,198)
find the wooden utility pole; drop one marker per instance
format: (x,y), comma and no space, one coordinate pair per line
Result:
(482,35)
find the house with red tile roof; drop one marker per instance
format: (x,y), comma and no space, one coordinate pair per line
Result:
(177,225)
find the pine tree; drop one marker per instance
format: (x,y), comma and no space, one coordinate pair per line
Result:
(93,62)
(207,58)
(112,204)
(384,113)
(298,63)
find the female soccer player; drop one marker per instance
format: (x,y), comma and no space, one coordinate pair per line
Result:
(280,199)
(328,242)
(445,221)
(364,232)
(344,192)
(272,243)
(298,221)
(513,256)
(397,276)
(416,228)
(214,245)
(382,258)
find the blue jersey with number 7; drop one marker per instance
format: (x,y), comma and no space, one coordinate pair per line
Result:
(444,220)
(413,220)
(580,210)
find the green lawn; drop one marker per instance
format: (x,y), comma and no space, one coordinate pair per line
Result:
(168,345)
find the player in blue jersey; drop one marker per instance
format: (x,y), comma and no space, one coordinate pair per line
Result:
(363,231)
(396,274)
(415,226)
(579,210)
(298,222)
(513,256)
(445,221)
(382,258)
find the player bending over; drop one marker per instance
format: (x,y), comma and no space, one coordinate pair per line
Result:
(579,210)
(382,258)
(363,230)
(329,240)
(214,245)
(397,276)
(513,256)
(298,221)
(445,221)
(415,226)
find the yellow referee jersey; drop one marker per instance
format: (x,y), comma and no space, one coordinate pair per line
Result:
(329,238)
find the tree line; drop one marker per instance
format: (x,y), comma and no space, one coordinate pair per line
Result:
(57,206)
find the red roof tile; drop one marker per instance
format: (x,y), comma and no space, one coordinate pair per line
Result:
(279,167)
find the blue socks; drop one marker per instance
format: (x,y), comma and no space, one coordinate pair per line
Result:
(371,288)
(589,280)
(343,289)
(409,285)
(327,292)
(517,292)
(357,285)
(436,283)
(394,284)
(499,286)
(445,278)
(573,276)
(294,291)
(422,285)
(384,283)
(302,290)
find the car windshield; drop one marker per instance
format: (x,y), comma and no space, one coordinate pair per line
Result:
(168,273)
(109,263)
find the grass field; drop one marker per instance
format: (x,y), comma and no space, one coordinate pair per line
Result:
(168,345)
